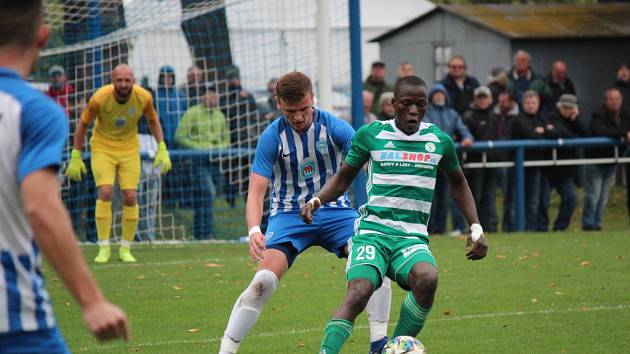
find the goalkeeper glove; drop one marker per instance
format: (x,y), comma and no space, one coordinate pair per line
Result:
(162,158)
(76,168)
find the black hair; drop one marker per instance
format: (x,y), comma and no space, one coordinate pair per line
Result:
(19,22)
(411,80)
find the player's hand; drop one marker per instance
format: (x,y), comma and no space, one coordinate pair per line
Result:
(309,208)
(256,246)
(76,168)
(162,159)
(476,250)
(106,321)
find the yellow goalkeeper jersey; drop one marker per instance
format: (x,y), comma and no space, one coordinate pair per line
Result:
(116,126)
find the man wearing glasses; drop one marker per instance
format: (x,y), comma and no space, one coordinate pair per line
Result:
(459,85)
(297,154)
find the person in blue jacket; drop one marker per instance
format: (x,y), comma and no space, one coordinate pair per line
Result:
(447,119)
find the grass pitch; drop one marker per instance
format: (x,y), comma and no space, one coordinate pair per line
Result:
(534,293)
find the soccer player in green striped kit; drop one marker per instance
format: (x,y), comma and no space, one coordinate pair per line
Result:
(403,155)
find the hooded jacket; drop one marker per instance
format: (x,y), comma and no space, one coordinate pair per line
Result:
(170,104)
(445,117)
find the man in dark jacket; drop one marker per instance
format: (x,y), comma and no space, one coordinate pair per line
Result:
(614,122)
(482,123)
(239,108)
(459,85)
(530,125)
(559,84)
(506,111)
(623,85)
(523,78)
(376,84)
(567,125)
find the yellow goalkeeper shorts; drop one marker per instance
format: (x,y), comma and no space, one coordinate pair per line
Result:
(107,166)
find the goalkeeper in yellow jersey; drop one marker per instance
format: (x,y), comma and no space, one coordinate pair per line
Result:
(116,153)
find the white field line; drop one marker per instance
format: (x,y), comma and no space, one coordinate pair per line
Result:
(116,264)
(621,307)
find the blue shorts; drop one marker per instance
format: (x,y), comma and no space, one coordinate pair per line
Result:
(47,341)
(331,229)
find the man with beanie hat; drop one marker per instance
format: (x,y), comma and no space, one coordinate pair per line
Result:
(567,125)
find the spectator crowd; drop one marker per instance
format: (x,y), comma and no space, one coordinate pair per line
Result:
(519,103)
(515,103)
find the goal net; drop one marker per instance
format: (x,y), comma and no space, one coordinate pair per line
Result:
(195,57)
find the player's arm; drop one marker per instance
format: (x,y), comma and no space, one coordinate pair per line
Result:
(267,151)
(476,244)
(478,248)
(356,152)
(76,167)
(54,235)
(335,187)
(253,214)
(162,157)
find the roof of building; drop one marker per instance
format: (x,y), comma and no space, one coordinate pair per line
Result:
(538,21)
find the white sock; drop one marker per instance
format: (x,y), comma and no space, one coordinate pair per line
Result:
(247,309)
(378,309)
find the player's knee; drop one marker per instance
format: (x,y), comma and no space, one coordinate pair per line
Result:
(359,292)
(423,278)
(130,197)
(260,289)
(105,193)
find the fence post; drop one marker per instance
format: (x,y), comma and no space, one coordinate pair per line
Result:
(354,7)
(519,180)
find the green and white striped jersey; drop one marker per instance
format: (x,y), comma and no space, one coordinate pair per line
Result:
(401,176)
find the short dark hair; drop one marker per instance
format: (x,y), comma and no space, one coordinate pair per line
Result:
(293,87)
(19,22)
(410,80)
(378,64)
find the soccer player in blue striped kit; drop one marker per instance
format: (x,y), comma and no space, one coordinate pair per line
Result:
(33,131)
(297,154)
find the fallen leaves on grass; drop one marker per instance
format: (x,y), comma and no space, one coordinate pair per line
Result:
(585,263)
(193,330)
(140,277)
(134,350)
(447,312)
(176,287)
(534,300)
(213,265)
(501,256)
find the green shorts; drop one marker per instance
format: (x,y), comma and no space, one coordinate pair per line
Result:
(374,256)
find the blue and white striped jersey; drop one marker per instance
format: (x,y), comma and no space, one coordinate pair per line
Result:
(33,131)
(298,165)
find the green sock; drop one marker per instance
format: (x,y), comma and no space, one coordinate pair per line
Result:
(412,317)
(336,333)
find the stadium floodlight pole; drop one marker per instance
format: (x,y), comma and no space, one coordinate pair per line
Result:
(354,13)
(324,82)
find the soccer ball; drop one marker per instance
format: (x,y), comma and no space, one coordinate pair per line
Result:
(404,344)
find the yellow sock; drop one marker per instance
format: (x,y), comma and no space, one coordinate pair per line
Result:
(103,214)
(129,224)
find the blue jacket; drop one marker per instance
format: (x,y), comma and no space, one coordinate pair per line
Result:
(445,117)
(171,105)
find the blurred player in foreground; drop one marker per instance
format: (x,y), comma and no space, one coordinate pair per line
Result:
(403,156)
(33,132)
(116,153)
(297,154)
